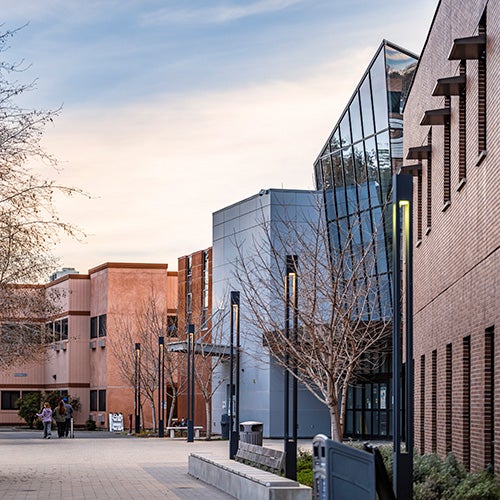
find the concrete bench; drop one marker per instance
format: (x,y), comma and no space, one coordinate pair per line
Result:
(244,481)
(181,428)
(257,456)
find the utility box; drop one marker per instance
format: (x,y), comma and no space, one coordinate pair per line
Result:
(224,426)
(342,472)
(115,422)
(252,432)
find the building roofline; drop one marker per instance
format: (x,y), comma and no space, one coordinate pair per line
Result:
(194,253)
(263,192)
(422,51)
(126,265)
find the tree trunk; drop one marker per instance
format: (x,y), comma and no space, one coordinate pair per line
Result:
(336,428)
(172,409)
(153,416)
(209,419)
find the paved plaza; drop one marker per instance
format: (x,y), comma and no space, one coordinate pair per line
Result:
(97,465)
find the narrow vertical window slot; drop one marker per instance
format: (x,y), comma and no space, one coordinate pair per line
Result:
(422,403)
(434,402)
(449,399)
(466,402)
(429,184)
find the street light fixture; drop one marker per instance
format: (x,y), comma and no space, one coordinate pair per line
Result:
(291,302)
(402,237)
(234,400)
(137,395)
(190,388)
(161,386)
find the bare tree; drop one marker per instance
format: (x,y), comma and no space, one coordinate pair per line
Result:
(149,322)
(341,320)
(210,352)
(29,223)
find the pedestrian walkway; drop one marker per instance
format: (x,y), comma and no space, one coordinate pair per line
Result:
(101,465)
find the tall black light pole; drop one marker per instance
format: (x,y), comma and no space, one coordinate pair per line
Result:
(234,399)
(137,402)
(161,386)
(291,303)
(190,412)
(402,238)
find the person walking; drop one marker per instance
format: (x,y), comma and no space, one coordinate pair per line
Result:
(60,418)
(69,416)
(46,416)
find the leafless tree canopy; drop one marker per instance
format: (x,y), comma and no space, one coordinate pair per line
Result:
(29,223)
(210,352)
(341,324)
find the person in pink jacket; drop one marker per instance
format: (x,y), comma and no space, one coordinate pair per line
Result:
(46,416)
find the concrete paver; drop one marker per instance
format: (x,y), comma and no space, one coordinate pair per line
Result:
(93,467)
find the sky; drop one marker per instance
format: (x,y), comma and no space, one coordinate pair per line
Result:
(172,110)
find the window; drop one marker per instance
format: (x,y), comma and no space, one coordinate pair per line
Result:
(102,400)
(93,400)
(429,184)
(172,326)
(489,397)
(102,325)
(9,400)
(462,130)
(419,205)
(64,329)
(49,332)
(466,351)
(57,331)
(448,398)
(93,327)
(481,94)
(205,290)
(422,403)
(447,157)
(98,326)
(434,402)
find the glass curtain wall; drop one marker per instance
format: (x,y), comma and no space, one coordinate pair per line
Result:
(354,171)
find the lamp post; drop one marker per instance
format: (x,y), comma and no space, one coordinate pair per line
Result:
(137,396)
(291,302)
(402,237)
(234,400)
(190,394)
(161,386)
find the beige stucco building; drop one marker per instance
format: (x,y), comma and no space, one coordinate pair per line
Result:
(97,316)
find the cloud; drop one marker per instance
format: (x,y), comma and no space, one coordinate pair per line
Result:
(217,13)
(160,169)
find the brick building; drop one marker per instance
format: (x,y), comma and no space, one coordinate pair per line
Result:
(83,358)
(195,307)
(452,131)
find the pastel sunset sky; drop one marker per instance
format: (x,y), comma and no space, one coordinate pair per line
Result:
(172,110)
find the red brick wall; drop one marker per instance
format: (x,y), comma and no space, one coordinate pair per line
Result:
(196,315)
(456,266)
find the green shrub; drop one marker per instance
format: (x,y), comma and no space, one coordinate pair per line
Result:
(477,486)
(305,468)
(28,406)
(90,425)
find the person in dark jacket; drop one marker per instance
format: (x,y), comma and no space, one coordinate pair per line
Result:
(69,416)
(60,418)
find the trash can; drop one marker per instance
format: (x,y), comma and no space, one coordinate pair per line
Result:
(251,432)
(341,471)
(224,426)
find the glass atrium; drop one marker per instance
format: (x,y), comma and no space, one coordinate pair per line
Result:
(354,171)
